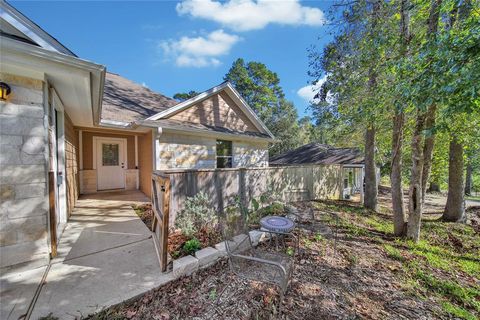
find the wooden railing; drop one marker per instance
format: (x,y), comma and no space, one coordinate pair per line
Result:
(161,210)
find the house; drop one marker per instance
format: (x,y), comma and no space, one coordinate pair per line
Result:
(350,159)
(67,127)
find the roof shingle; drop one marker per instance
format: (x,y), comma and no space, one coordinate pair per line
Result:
(317,153)
(127,101)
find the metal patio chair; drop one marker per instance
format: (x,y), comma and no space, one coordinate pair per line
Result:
(265,262)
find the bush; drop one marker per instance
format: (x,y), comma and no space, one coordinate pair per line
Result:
(197,215)
(192,246)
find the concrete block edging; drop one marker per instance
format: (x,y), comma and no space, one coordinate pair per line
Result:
(206,257)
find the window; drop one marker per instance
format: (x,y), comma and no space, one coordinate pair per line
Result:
(110,154)
(224,154)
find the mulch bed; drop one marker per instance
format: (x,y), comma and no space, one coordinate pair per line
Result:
(176,240)
(145,212)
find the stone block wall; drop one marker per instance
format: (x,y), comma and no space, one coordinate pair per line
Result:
(177,151)
(250,154)
(23,185)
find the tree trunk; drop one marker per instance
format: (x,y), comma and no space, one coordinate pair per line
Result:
(371,188)
(455,208)
(468,180)
(428,147)
(415,191)
(399,216)
(432,109)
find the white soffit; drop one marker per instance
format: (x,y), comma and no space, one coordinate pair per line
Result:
(79,83)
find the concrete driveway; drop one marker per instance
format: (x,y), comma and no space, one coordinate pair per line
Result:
(106,255)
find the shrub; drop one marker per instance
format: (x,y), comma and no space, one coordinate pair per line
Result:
(191,246)
(197,215)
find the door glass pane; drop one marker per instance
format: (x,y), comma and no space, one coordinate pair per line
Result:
(110,154)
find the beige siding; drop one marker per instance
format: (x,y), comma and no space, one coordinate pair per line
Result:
(218,110)
(71,164)
(145,159)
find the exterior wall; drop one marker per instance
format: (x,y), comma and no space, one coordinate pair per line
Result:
(250,154)
(177,151)
(218,110)
(71,164)
(174,151)
(88,175)
(145,162)
(23,188)
(87,143)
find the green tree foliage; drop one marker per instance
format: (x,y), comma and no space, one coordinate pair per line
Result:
(433,70)
(182,96)
(260,87)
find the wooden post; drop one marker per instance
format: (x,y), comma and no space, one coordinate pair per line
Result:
(161,211)
(53,217)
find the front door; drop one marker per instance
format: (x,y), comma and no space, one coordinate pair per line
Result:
(111,163)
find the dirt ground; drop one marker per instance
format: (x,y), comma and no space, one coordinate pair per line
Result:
(345,277)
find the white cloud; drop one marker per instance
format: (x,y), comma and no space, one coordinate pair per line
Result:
(199,51)
(308,93)
(245,15)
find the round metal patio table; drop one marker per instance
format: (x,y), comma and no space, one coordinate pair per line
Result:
(277,224)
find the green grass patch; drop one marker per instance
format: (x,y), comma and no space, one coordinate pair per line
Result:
(464,296)
(393,253)
(379,224)
(457,312)
(475,198)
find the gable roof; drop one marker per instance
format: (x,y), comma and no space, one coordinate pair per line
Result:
(127,101)
(317,153)
(231,91)
(16,26)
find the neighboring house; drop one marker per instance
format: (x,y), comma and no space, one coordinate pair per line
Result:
(68,127)
(351,159)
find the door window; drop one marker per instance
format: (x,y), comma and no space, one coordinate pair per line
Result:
(110,154)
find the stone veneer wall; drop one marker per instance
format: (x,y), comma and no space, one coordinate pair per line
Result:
(250,154)
(177,151)
(23,191)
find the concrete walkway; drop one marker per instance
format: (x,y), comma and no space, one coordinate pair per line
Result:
(106,255)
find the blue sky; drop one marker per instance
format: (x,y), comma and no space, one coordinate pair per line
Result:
(177,46)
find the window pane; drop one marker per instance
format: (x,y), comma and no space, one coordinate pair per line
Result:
(224,148)
(110,154)
(224,162)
